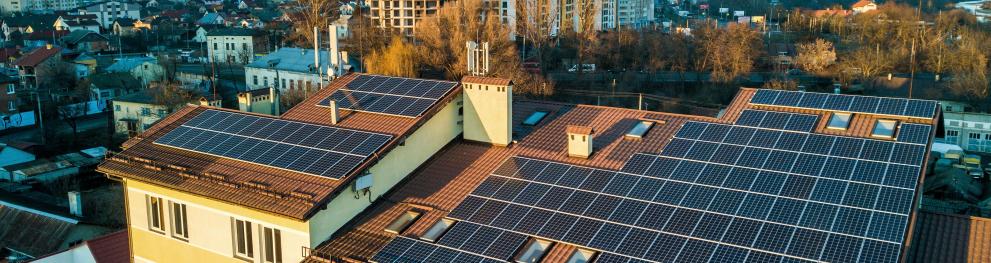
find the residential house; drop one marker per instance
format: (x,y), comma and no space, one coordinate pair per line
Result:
(36,6)
(109,11)
(200,36)
(28,232)
(8,55)
(863,6)
(262,101)
(77,22)
(144,69)
(43,37)
(84,40)
(39,65)
(109,86)
(130,27)
(288,69)
(108,248)
(211,19)
(235,45)
(27,24)
(135,112)
(966,128)
(9,103)
(477,175)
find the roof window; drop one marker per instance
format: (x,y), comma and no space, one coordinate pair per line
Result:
(884,128)
(402,222)
(535,118)
(439,228)
(581,255)
(532,251)
(639,130)
(839,121)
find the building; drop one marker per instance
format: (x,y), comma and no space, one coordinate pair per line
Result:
(77,22)
(211,19)
(109,86)
(950,238)
(235,45)
(10,155)
(39,171)
(451,169)
(109,11)
(8,96)
(110,248)
(144,69)
(130,27)
(263,101)
(289,69)
(8,7)
(863,6)
(136,112)
(28,232)
(39,65)
(401,15)
(617,14)
(84,40)
(969,130)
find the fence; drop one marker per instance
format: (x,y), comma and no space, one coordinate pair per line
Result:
(22,119)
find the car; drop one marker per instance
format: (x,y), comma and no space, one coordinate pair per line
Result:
(586,68)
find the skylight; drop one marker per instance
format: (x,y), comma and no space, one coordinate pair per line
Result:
(884,128)
(402,222)
(535,118)
(639,130)
(437,230)
(581,256)
(532,251)
(839,121)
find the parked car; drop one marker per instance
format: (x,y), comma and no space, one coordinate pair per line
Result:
(586,68)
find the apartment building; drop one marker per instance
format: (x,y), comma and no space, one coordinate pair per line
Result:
(966,128)
(385,169)
(401,15)
(109,11)
(235,45)
(36,6)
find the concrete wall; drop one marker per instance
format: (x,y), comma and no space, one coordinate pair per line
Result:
(209,226)
(488,113)
(242,51)
(132,110)
(261,75)
(394,167)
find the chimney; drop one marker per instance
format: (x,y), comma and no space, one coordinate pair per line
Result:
(75,203)
(579,141)
(334,112)
(488,110)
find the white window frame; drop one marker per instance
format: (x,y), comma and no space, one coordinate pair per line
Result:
(11,106)
(242,239)
(582,255)
(533,251)
(271,244)
(11,89)
(403,221)
(834,123)
(156,215)
(437,230)
(882,124)
(179,220)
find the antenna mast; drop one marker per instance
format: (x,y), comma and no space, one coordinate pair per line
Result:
(478,58)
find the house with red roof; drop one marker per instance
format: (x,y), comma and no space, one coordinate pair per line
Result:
(111,248)
(864,6)
(39,65)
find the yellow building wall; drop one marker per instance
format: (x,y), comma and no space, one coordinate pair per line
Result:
(394,167)
(209,225)
(488,113)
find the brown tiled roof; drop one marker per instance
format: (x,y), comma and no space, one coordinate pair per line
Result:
(950,238)
(37,56)
(278,191)
(450,176)
(574,129)
(112,248)
(862,3)
(487,80)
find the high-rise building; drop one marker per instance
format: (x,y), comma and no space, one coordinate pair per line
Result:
(401,15)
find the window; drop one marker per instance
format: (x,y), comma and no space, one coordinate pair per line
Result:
(581,256)
(639,130)
(243,244)
(162,113)
(180,228)
(265,79)
(434,233)
(535,118)
(532,251)
(884,128)
(10,88)
(244,46)
(402,222)
(987,136)
(215,46)
(839,121)
(145,111)
(272,245)
(974,135)
(952,133)
(155,213)
(11,106)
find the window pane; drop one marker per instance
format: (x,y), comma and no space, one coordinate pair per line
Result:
(434,233)
(533,251)
(840,121)
(402,221)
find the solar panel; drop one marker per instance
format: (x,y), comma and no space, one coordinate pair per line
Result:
(774,120)
(389,95)
(306,148)
(839,102)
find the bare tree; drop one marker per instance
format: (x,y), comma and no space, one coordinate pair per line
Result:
(728,53)
(816,56)
(537,21)
(308,14)
(586,34)
(170,95)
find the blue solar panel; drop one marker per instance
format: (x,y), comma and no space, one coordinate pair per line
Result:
(914,133)
(276,143)
(389,95)
(837,102)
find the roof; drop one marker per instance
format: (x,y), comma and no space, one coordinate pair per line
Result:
(38,166)
(38,22)
(487,80)
(575,129)
(127,64)
(234,31)
(47,35)
(288,193)
(289,59)
(831,12)
(441,184)
(32,232)
(116,80)
(209,18)
(124,22)
(111,248)
(950,238)
(37,56)
(79,35)
(862,3)
(143,97)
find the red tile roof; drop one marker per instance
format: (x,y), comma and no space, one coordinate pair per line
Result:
(950,238)
(278,191)
(112,248)
(574,129)
(37,56)
(862,3)
(487,80)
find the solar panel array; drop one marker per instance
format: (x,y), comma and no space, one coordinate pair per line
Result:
(312,149)
(778,120)
(849,103)
(390,95)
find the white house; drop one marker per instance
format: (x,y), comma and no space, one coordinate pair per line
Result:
(235,45)
(200,35)
(863,6)
(145,69)
(108,12)
(969,130)
(289,69)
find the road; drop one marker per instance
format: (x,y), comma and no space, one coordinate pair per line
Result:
(92,122)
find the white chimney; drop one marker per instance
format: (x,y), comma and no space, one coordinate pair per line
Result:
(579,141)
(335,61)
(75,203)
(334,112)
